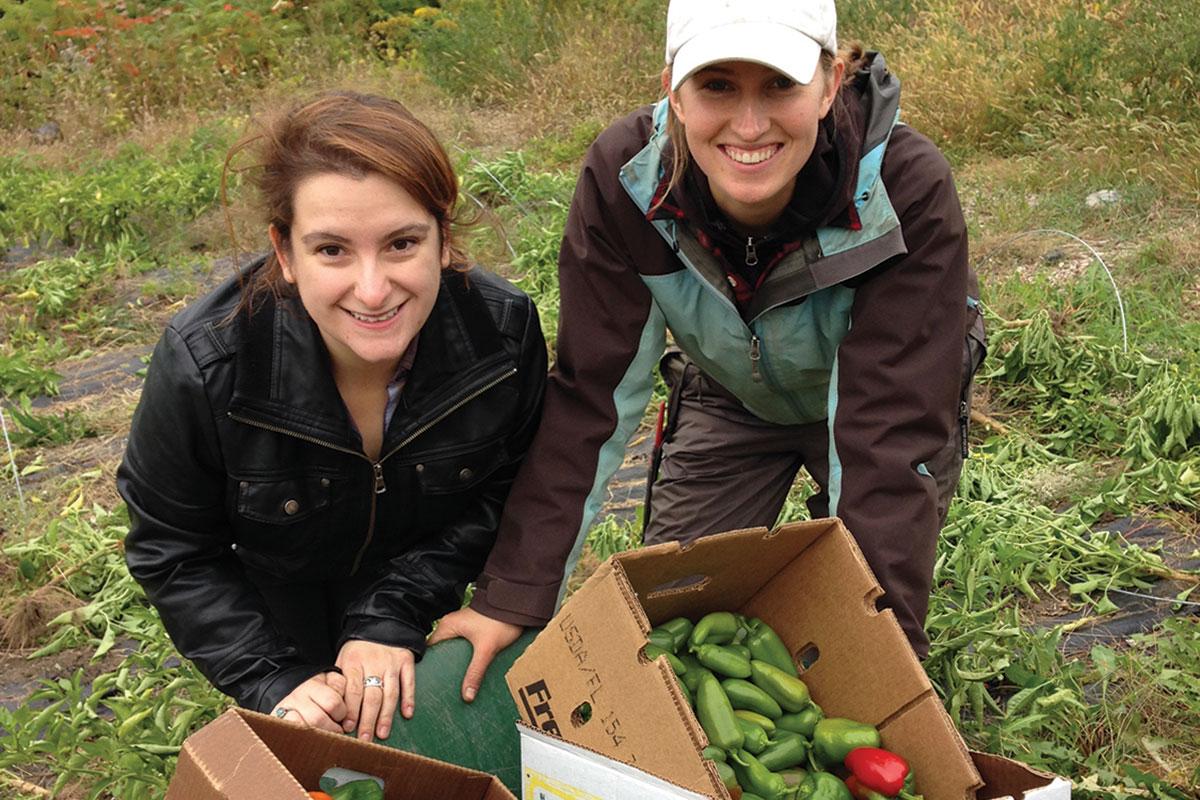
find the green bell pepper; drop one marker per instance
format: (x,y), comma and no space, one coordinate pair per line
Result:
(717,627)
(754,777)
(662,638)
(686,692)
(693,669)
(754,738)
(765,645)
(791,693)
(723,661)
(363,789)
(823,786)
(793,776)
(680,629)
(740,649)
(802,722)
(653,651)
(744,694)
(785,750)
(716,715)
(834,737)
(728,777)
(766,723)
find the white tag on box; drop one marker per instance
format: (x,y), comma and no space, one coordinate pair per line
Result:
(553,769)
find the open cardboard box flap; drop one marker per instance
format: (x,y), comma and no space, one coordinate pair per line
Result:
(244,754)
(1006,779)
(585,679)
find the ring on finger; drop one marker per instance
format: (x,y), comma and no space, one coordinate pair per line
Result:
(373,680)
(282,712)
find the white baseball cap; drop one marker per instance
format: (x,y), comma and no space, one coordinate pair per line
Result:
(785,35)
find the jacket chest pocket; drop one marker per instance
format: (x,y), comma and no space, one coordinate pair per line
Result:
(285,501)
(462,472)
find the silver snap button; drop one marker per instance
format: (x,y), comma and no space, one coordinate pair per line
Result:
(244,485)
(325,482)
(233,546)
(420,467)
(291,507)
(466,474)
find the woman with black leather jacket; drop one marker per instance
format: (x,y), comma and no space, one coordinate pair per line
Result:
(317,465)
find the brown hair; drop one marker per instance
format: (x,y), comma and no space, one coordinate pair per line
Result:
(853,55)
(350,134)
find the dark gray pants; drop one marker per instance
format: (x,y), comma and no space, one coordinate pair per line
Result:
(725,469)
(715,450)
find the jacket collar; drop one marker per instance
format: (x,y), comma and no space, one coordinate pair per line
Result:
(284,379)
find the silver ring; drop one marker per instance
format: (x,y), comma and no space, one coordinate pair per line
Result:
(373,680)
(282,712)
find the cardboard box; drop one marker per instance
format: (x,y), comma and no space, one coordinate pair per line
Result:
(244,755)
(585,680)
(1005,779)
(557,770)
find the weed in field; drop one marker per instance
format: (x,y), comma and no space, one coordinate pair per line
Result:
(123,199)
(458,53)
(18,377)
(135,54)
(119,733)
(1025,77)
(47,429)
(53,289)
(614,535)
(532,209)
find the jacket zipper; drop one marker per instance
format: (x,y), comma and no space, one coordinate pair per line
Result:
(301,436)
(751,253)
(493,382)
(755,357)
(380,488)
(377,466)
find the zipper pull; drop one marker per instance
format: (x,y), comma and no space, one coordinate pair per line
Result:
(751,253)
(755,355)
(380,486)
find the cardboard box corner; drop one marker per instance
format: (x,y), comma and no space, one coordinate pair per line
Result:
(1007,779)
(244,754)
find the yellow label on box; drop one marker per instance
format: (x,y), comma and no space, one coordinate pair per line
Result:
(543,787)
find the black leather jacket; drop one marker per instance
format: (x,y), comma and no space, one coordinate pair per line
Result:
(243,469)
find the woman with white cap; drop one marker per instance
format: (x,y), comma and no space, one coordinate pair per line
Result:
(808,254)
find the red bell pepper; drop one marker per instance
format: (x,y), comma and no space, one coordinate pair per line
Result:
(877,769)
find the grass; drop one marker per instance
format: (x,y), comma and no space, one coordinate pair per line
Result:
(1081,422)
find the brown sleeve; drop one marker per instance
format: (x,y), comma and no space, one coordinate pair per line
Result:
(604,309)
(899,378)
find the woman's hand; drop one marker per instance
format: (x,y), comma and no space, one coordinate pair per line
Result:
(487,637)
(317,703)
(377,678)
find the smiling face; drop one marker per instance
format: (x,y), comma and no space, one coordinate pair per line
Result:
(751,129)
(367,259)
